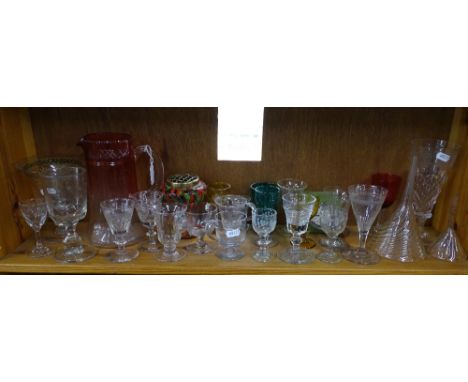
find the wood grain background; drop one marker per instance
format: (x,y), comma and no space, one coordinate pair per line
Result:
(324,146)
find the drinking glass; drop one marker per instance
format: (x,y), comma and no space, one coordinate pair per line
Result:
(118,213)
(291,185)
(171,222)
(231,229)
(34,212)
(263,223)
(366,201)
(65,194)
(333,218)
(217,188)
(146,204)
(434,160)
(298,207)
(200,220)
(265,195)
(231,202)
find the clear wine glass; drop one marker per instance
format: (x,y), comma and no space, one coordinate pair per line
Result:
(263,223)
(366,201)
(34,212)
(231,230)
(65,193)
(338,243)
(171,220)
(147,204)
(298,207)
(118,213)
(291,185)
(200,220)
(333,218)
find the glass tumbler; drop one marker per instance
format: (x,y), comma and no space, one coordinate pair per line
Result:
(265,195)
(231,229)
(171,221)
(298,207)
(34,212)
(118,213)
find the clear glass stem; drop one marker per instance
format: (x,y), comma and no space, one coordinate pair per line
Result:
(363,239)
(71,236)
(38,239)
(296,241)
(169,249)
(152,236)
(200,243)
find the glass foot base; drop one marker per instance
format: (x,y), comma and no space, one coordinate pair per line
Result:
(122,257)
(270,244)
(75,254)
(361,257)
(150,248)
(262,257)
(171,258)
(37,253)
(230,254)
(335,244)
(299,256)
(197,250)
(329,257)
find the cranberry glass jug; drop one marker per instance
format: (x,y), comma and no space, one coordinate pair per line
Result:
(111,164)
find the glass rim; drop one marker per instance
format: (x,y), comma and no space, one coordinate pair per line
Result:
(271,211)
(211,206)
(62,172)
(243,214)
(300,181)
(107,202)
(310,197)
(30,201)
(367,187)
(230,196)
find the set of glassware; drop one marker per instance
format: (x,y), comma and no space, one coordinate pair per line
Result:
(64,199)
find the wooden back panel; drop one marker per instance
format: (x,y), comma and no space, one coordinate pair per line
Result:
(324,146)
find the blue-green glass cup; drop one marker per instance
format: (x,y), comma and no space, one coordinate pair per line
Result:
(265,195)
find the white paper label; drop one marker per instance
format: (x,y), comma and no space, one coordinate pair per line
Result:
(443,157)
(233,233)
(51,191)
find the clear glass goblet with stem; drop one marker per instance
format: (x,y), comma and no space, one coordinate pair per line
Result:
(171,220)
(366,202)
(34,212)
(200,221)
(118,213)
(333,219)
(147,204)
(263,223)
(65,193)
(298,207)
(336,243)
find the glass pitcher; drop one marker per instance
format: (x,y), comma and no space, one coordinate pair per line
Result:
(111,164)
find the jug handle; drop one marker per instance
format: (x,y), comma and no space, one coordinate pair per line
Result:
(146,149)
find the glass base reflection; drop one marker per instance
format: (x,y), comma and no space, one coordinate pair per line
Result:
(361,256)
(298,256)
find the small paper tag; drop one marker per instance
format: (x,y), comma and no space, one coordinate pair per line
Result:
(443,157)
(233,233)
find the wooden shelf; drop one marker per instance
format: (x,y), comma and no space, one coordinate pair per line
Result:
(19,262)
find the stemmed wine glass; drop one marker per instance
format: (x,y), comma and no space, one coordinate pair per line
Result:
(337,243)
(366,201)
(263,223)
(118,213)
(65,193)
(146,205)
(333,218)
(298,207)
(34,212)
(200,220)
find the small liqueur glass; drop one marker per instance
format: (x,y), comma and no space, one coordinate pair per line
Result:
(171,222)
(200,220)
(338,243)
(118,213)
(146,205)
(263,223)
(366,201)
(65,193)
(333,218)
(231,229)
(34,212)
(298,207)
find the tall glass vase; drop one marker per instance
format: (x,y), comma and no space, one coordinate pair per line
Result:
(398,238)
